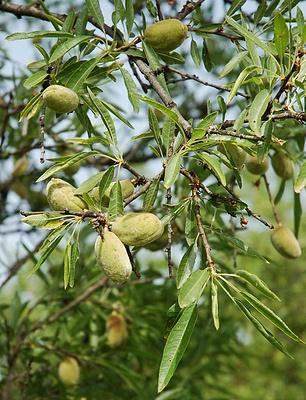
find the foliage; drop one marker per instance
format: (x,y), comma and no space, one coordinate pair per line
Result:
(198,308)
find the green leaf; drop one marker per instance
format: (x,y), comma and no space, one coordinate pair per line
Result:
(94,9)
(241,78)
(270,315)
(81,73)
(184,268)
(34,79)
(172,170)
(151,195)
(155,104)
(214,304)
(298,211)
(176,345)
(48,246)
(281,34)
(233,63)
(236,5)
(131,89)
(255,281)
(203,125)
(38,34)
(215,167)
(168,132)
(129,15)
(32,107)
(115,201)
(66,46)
(257,109)
(116,112)
(106,182)
(67,258)
(90,183)
(261,329)
(195,53)
(74,257)
(105,116)
(250,35)
(300,181)
(63,165)
(193,288)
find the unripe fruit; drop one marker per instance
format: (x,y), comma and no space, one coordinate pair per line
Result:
(60,195)
(21,167)
(112,257)
(60,99)
(127,189)
(138,229)
(237,154)
(166,35)
(254,166)
(116,329)
(285,242)
(69,371)
(282,165)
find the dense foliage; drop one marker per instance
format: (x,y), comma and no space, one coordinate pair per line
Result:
(171,135)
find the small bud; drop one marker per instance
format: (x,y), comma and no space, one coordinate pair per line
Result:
(285,242)
(60,99)
(255,167)
(69,371)
(166,35)
(282,165)
(138,229)
(60,195)
(116,329)
(243,221)
(113,258)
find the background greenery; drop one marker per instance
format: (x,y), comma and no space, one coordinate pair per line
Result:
(39,324)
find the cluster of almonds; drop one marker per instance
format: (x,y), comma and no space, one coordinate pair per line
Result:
(131,229)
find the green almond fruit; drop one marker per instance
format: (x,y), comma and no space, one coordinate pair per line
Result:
(138,229)
(166,35)
(237,155)
(255,167)
(60,196)
(69,371)
(285,242)
(282,165)
(60,99)
(113,258)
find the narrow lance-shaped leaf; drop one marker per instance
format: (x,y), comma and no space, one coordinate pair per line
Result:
(255,281)
(89,183)
(184,270)
(281,34)
(261,329)
(257,109)
(214,304)
(176,345)
(131,89)
(94,9)
(270,315)
(67,261)
(193,288)
(215,166)
(75,254)
(106,182)
(66,46)
(172,170)
(115,201)
(151,195)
